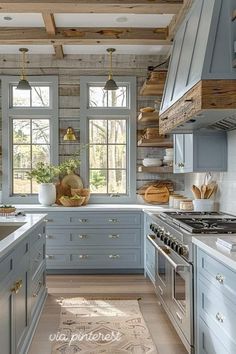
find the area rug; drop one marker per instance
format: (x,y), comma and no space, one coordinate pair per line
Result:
(101,327)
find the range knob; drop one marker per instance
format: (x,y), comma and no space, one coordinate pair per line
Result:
(183,250)
(152,227)
(166,238)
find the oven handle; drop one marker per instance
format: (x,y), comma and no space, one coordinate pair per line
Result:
(177,267)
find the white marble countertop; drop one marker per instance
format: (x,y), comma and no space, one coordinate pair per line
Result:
(27,223)
(208,244)
(94,207)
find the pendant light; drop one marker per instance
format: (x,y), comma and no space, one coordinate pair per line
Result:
(23,83)
(110,84)
(70,134)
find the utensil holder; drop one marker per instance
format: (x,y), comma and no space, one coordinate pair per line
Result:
(203,205)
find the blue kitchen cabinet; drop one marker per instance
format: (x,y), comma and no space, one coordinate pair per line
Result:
(150,254)
(200,151)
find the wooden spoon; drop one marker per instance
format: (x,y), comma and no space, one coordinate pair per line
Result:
(203,191)
(213,191)
(210,189)
(196,192)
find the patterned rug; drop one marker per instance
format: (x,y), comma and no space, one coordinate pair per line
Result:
(101,327)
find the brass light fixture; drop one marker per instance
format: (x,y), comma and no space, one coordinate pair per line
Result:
(23,83)
(70,134)
(110,84)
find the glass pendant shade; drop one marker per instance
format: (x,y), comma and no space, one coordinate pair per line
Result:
(70,135)
(23,83)
(110,85)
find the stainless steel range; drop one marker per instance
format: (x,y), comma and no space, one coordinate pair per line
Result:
(171,233)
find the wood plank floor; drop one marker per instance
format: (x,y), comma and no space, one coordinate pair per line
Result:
(110,286)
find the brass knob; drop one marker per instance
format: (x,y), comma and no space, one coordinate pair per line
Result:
(113,236)
(113,220)
(16,287)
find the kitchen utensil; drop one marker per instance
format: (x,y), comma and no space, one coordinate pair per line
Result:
(196,192)
(212,188)
(203,205)
(157,195)
(203,191)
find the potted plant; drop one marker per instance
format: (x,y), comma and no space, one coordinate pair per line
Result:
(45,176)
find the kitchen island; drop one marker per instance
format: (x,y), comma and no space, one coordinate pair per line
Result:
(22,279)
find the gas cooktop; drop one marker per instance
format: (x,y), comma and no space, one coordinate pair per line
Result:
(202,222)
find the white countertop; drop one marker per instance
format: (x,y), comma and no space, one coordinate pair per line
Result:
(94,207)
(208,244)
(30,222)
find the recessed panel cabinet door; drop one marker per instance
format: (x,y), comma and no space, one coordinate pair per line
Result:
(6,326)
(178,152)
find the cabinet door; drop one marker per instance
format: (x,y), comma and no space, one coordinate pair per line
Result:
(178,153)
(20,303)
(188,153)
(6,328)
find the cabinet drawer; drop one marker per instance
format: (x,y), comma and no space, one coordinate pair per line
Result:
(208,342)
(93,237)
(94,219)
(93,258)
(219,313)
(218,274)
(37,288)
(37,235)
(36,258)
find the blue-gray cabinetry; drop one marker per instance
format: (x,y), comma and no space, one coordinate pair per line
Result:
(200,152)
(94,241)
(216,306)
(19,303)
(150,255)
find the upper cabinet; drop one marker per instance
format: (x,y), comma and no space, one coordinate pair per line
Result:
(200,152)
(200,87)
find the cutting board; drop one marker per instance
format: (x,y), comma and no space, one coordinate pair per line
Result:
(156,195)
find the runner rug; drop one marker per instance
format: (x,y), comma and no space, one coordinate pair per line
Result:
(101,327)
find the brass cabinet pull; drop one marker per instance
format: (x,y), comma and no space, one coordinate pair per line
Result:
(83,221)
(113,220)
(48,220)
(114,256)
(114,236)
(188,100)
(220,278)
(39,287)
(16,287)
(48,256)
(153,237)
(83,256)
(82,236)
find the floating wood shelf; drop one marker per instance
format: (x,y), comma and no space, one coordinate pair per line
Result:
(154,86)
(155,143)
(155,169)
(148,117)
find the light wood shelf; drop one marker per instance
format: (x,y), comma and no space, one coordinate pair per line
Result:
(154,86)
(155,143)
(148,117)
(155,169)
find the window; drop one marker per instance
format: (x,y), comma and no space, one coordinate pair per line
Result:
(108,123)
(30,126)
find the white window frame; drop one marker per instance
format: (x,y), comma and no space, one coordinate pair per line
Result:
(129,113)
(8,113)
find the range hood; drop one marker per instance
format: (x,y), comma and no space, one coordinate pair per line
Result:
(200,89)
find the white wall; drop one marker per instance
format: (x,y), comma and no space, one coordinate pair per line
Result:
(226,196)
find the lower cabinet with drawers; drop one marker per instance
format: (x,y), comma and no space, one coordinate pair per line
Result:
(22,291)
(94,242)
(216,306)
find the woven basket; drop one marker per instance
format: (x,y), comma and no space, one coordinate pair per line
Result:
(83,192)
(7,211)
(71,202)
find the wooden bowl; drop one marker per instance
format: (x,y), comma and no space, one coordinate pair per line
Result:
(147,109)
(71,202)
(83,192)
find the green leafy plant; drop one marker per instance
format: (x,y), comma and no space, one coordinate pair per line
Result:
(44,173)
(69,166)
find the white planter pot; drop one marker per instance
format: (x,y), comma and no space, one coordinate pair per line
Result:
(47,194)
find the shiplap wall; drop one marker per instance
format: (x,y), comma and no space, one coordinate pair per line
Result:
(69,71)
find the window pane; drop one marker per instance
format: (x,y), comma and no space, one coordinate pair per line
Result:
(40,153)
(35,187)
(117,156)
(40,96)
(97,96)
(21,156)
(21,98)
(21,131)
(40,131)
(118,98)
(98,156)
(21,185)
(117,181)
(117,131)
(98,131)
(98,181)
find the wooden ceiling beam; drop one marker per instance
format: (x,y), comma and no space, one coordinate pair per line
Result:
(178,18)
(92,6)
(83,35)
(50,26)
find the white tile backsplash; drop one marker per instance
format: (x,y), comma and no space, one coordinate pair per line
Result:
(226,195)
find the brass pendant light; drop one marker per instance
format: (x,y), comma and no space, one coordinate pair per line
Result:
(110,84)
(23,83)
(70,135)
